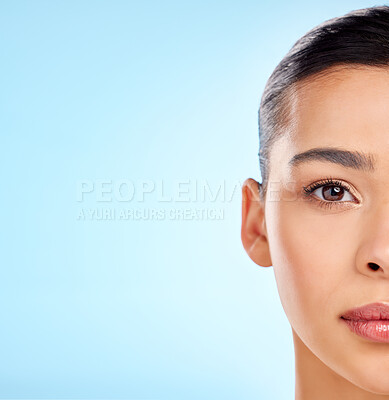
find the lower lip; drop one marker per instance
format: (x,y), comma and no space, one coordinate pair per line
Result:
(375,330)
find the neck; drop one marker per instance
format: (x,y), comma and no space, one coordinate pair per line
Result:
(316,381)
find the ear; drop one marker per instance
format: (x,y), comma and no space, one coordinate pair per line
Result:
(253,233)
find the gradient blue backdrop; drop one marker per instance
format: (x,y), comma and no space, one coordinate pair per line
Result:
(105,91)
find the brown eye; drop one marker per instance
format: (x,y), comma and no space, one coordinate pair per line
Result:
(333,193)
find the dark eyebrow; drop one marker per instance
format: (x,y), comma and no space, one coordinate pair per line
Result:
(350,159)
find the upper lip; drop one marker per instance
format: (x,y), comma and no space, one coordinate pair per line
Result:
(368,312)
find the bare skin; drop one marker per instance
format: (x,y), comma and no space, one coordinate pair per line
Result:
(321,252)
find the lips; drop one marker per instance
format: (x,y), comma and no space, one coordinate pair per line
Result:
(370,321)
(370,312)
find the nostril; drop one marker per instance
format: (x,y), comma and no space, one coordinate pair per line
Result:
(373,266)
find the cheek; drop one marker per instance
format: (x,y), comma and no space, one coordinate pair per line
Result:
(314,261)
(310,262)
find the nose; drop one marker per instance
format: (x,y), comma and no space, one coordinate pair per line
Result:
(373,257)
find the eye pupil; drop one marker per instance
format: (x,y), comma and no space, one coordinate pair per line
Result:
(332,192)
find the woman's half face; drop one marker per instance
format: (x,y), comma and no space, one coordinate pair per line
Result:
(329,245)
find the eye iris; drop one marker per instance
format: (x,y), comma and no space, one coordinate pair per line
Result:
(332,192)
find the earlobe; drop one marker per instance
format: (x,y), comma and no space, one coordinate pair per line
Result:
(253,232)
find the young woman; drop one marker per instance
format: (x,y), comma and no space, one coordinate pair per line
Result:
(320,216)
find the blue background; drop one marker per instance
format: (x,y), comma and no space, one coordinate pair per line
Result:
(105,91)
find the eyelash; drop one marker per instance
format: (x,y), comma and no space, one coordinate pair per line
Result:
(308,190)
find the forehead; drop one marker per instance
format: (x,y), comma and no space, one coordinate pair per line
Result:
(345,107)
